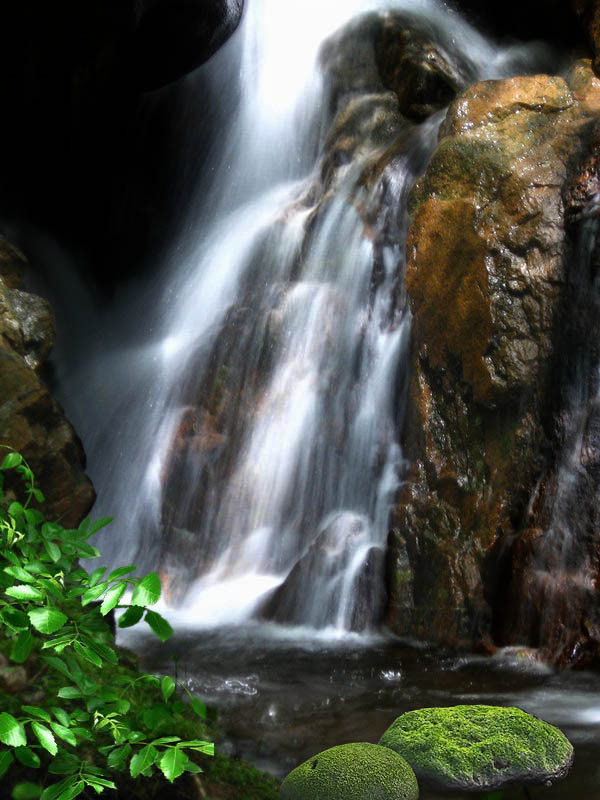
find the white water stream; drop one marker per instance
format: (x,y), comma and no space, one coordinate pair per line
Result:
(304,452)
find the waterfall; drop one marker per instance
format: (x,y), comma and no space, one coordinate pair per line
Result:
(249,445)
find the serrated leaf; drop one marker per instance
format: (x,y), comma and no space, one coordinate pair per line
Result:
(159,625)
(12,733)
(6,759)
(200,746)
(47,620)
(72,792)
(131,617)
(27,757)
(94,593)
(142,760)
(34,711)
(148,591)
(167,687)
(22,647)
(105,652)
(64,763)
(52,792)
(23,592)
(61,715)
(45,737)
(114,594)
(53,550)
(100,523)
(198,707)
(172,763)
(118,573)
(166,740)
(118,757)
(15,618)
(97,782)
(19,573)
(64,733)
(88,654)
(51,586)
(95,576)
(26,790)
(57,664)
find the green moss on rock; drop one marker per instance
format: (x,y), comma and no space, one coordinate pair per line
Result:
(358,771)
(479,748)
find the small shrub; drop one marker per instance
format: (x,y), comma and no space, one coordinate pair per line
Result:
(85,728)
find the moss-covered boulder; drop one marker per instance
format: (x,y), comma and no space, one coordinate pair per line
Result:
(358,771)
(479,748)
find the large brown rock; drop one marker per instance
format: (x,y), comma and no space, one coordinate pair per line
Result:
(31,421)
(487,260)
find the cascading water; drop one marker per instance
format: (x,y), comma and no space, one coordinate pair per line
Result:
(254,446)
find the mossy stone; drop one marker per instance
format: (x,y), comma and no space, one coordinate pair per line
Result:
(479,748)
(358,771)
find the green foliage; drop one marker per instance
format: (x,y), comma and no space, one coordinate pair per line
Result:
(87,727)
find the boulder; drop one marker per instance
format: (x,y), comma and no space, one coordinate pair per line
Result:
(488,254)
(358,771)
(31,421)
(479,748)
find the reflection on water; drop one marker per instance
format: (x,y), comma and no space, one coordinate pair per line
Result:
(283,695)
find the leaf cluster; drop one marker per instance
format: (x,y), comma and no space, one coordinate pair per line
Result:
(52,614)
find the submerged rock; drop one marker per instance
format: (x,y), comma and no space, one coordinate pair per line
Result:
(488,255)
(357,771)
(31,421)
(479,748)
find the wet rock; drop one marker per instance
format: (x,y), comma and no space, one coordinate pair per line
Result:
(479,748)
(588,12)
(487,260)
(14,679)
(326,567)
(357,771)
(31,421)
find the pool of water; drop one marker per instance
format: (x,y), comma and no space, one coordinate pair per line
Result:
(284,694)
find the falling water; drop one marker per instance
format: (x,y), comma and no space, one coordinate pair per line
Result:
(250,445)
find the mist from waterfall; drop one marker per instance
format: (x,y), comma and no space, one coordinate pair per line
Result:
(252,437)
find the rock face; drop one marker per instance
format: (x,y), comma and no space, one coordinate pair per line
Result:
(30,419)
(488,256)
(479,748)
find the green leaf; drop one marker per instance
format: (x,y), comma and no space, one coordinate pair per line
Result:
(33,516)
(118,757)
(86,550)
(15,618)
(167,687)
(142,760)
(53,550)
(58,664)
(166,740)
(72,792)
(88,654)
(39,496)
(64,763)
(34,711)
(52,587)
(117,573)
(6,759)
(147,592)
(94,593)
(22,592)
(61,715)
(12,733)
(114,594)
(193,768)
(27,757)
(173,763)
(11,460)
(70,693)
(96,575)
(105,652)
(22,647)
(64,733)
(100,523)
(16,510)
(45,737)
(97,782)
(208,748)
(198,707)
(26,790)
(47,620)
(20,574)
(131,617)
(159,625)
(123,706)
